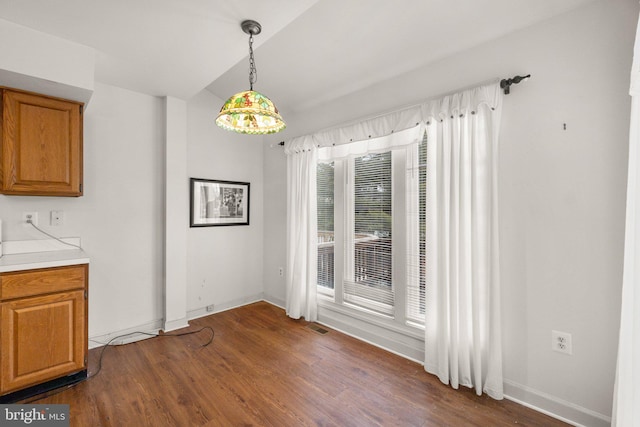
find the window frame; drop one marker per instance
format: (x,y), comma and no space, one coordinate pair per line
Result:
(398,318)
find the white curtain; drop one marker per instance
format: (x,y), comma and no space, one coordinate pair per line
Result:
(302,235)
(462,325)
(626,402)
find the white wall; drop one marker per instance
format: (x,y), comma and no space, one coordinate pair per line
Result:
(122,208)
(224,264)
(176,214)
(120,216)
(563,204)
(275,231)
(46,64)
(562,193)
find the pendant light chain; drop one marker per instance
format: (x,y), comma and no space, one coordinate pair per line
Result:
(253,72)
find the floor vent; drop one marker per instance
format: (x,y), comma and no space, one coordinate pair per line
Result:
(317,328)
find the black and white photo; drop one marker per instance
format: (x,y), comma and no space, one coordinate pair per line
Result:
(215,202)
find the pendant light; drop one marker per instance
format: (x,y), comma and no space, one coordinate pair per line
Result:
(249,111)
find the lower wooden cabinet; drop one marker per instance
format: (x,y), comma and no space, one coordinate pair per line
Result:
(42,336)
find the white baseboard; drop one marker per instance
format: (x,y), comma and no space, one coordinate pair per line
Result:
(217,308)
(275,301)
(173,325)
(388,337)
(137,333)
(553,406)
(126,336)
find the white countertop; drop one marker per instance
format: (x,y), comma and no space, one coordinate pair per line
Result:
(32,254)
(31,261)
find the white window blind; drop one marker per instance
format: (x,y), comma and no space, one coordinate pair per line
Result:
(325,209)
(370,190)
(416,231)
(369,234)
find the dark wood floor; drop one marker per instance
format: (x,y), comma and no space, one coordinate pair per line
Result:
(264,369)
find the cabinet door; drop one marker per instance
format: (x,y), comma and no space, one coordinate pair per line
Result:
(42,338)
(42,145)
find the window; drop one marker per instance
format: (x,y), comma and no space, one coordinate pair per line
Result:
(369,245)
(416,250)
(371,232)
(325,174)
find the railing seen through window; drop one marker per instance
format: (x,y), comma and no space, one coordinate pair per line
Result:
(368,278)
(326,241)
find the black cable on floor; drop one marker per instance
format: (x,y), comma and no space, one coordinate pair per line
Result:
(182,334)
(109,344)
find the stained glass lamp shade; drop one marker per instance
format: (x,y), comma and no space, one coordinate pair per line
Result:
(250,112)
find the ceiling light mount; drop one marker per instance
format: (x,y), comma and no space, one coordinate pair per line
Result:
(251,27)
(250,112)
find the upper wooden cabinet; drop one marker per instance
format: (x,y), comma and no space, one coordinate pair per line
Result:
(41,145)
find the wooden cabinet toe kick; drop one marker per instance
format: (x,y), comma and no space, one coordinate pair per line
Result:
(43,388)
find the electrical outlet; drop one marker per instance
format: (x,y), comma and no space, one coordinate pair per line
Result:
(561,342)
(209,308)
(30,217)
(57,218)
(281,271)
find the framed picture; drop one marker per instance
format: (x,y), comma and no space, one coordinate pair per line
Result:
(216,202)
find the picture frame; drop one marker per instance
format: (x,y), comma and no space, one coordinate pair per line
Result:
(218,203)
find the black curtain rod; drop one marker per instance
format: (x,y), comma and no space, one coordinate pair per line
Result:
(505,84)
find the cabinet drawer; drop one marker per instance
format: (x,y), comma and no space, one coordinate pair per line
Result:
(37,282)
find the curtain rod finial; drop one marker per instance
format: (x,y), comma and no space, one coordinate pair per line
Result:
(506,83)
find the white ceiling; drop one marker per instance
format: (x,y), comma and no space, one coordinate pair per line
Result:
(159,47)
(309,52)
